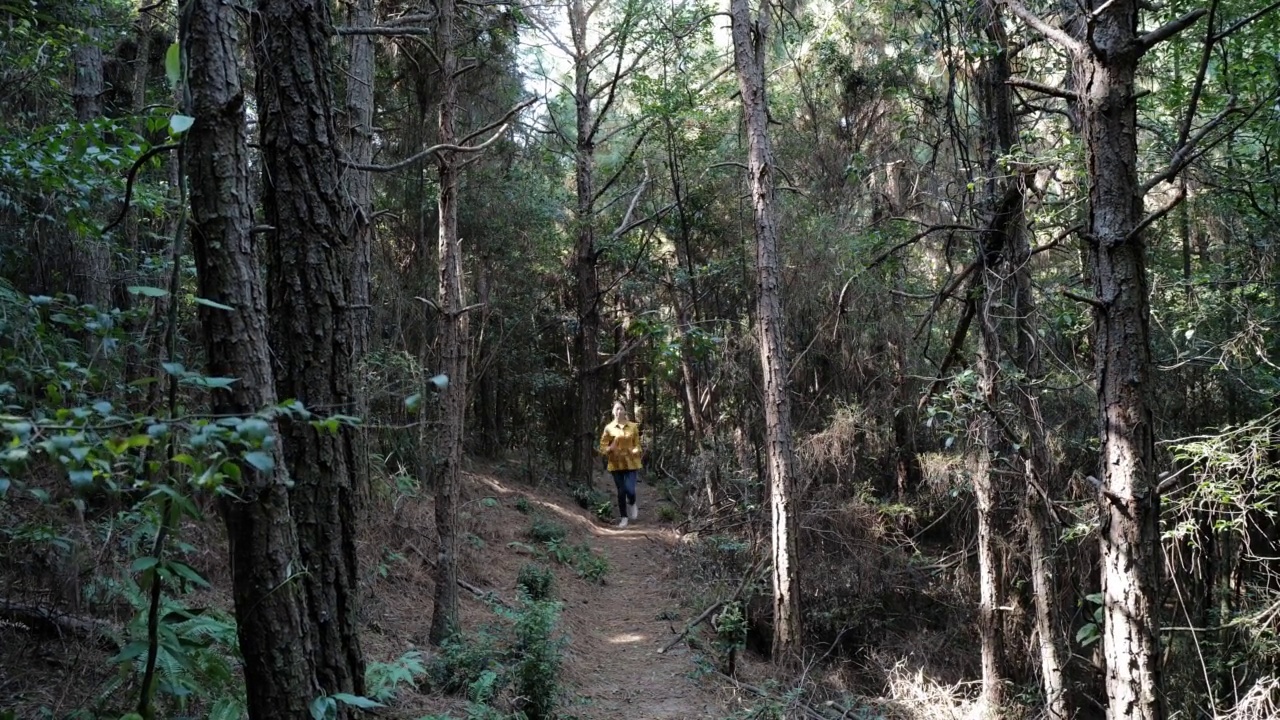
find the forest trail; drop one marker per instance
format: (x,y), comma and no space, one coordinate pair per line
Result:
(611,665)
(620,673)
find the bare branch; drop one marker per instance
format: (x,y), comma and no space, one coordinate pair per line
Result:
(1042,88)
(1095,302)
(1184,154)
(1169,29)
(1174,202)
(504,122)
(915,239)
(384,30)
(1241,23)
(1201,73)
(1038,24)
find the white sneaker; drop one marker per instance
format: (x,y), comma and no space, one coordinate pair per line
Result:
(622,523)
(633,510)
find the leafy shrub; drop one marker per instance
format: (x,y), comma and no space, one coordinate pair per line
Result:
(522,504)
(462,660)
(536,581)
(384,680)
(590,566)
(544,530)
(537,649)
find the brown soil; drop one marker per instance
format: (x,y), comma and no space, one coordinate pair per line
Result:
(611,665)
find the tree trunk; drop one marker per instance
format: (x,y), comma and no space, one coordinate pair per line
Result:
(748,50)
(316,333)
(359,187)
(1105,65)
(271,612)
(453,337)
(586,341)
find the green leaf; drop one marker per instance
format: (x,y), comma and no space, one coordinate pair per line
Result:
(174,368)
(213,383)
(413,402)
(79,452)
(173,64)
(232,470)
(180,123)
(143,564)
(1088,635)
(260,460)
(4,485)
(323,707)
(212,304)
(81,478)
(363,703)
(187,572)
(147,291)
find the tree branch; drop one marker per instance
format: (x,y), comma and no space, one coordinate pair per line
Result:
(1095,302)
(1054,34)
(383,30)
(502,125)
(1042,88)
(133,172)
(1241,23)
(1169,29)
(1174,202)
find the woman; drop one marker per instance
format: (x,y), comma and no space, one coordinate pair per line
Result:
(621,444)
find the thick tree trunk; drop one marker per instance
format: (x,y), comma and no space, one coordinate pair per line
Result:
(271,611)
(1105,66)
(453,338)
(316,331)
(748,50)
(586,341)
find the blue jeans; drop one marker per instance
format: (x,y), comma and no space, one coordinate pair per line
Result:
(626,482)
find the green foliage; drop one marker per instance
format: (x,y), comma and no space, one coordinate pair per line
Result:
(462,660)
(537,581)
(544,530)
(383,680)
(522,504)
(538,656)
(731,628)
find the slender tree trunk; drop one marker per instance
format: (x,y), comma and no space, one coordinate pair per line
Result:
(988,489)
(586,341)
(271,611)
(316,331)
(91,259)
(453,336)
(1105,65)
(748,50)
(359,187)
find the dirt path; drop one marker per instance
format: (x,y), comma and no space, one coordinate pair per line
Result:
(611,664)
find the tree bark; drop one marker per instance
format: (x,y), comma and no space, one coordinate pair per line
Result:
(271,611)
(748,50)
(315,330)
(1105,65)
(586,341)
(359,187)
(453,337)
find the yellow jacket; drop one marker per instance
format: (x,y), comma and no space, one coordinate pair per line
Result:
(625,438)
